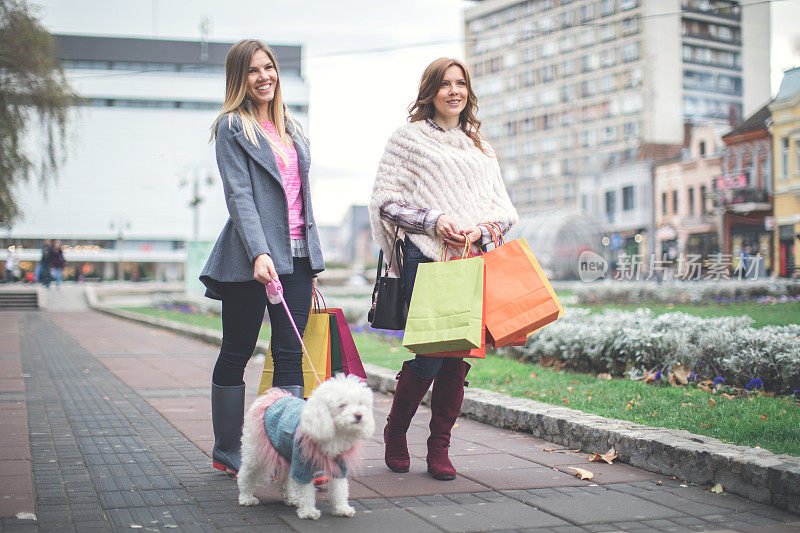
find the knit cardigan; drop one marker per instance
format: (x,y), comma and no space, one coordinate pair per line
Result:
(440,170)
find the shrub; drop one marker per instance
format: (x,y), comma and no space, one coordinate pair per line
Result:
(636,292)
(618,341)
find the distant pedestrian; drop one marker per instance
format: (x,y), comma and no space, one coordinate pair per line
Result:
(263,158)
(11,267)
(57,263)
(44,264)
(439,182)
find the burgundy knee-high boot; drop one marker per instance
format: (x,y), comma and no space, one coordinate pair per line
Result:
(411,387)
(446,398)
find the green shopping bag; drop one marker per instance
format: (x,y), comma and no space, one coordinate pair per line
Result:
(336,350)
(446,309)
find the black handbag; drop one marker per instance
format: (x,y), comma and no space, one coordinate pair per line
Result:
(389,307)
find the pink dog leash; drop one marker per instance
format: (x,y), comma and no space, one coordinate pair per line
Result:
(274,295)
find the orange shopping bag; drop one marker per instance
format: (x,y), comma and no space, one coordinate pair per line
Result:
(518,296)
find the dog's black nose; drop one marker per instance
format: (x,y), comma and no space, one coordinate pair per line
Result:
(358,417)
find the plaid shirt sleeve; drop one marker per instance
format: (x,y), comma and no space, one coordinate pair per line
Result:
(412,219)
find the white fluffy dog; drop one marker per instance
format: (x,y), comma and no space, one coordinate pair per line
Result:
(288,439)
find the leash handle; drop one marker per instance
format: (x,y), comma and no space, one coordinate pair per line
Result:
(274,289)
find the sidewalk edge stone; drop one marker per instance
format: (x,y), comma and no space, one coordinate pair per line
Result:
(754,473)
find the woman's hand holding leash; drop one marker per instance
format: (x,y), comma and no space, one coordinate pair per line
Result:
(264,269)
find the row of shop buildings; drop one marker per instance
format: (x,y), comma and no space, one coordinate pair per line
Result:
(724,192)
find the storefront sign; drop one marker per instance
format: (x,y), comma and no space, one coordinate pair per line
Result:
(731,182)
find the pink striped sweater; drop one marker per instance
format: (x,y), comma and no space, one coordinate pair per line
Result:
(290,175)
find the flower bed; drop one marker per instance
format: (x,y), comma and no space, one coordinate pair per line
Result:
(620,341)
(726,291)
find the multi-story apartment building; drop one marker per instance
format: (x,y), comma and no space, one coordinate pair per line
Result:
(686,223)
(785,129)
(568,88)
(743,191)
(138,156)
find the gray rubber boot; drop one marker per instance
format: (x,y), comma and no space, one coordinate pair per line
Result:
(227,418)
(295,390)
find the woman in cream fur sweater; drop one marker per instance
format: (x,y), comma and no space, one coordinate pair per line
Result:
(439,183)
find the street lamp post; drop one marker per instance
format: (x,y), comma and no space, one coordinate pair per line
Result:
(120,226)
(194,203)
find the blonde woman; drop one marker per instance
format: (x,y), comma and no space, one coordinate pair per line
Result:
(439,182)
(263,158)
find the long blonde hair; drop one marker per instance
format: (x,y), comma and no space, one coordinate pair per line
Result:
(237,67)
(422,108)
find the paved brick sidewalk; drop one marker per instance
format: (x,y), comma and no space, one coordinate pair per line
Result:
(107,423)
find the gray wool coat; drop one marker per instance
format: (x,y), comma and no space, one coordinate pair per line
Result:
(259,214)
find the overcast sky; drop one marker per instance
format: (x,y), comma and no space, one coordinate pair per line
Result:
(356,100)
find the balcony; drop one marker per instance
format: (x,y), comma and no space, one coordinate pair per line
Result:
(744,200)
(713,8)
(714,38)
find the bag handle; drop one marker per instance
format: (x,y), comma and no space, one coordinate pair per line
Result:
(495,231)
(465,253)
(317,297)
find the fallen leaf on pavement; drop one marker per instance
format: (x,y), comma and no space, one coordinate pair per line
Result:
(581,473)
(717,489)
(608,457)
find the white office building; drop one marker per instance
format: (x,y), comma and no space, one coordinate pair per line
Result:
(138,151)
(569,88)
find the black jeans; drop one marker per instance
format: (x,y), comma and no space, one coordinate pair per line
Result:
(424,365)
(243,305)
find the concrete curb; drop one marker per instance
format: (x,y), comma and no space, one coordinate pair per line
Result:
(753,473)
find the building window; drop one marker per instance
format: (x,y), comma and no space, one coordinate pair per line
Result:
(587,37)
(608,57)
(785,158)
(607,83)
(702,199)
(587,12)
(567,19)
(630,25)
(797,156)
(702,148)
(607,7)
(628,4)
(690,196)
(627,198)
(630,52)
(675,202)
(611,205)
(607,32)
(663,203)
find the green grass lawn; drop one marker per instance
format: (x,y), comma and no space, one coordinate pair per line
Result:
(751,420)
(778,314)
(735,420)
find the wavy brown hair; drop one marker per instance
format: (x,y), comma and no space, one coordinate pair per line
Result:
(429,85)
